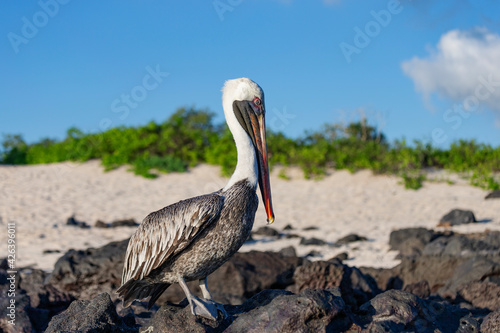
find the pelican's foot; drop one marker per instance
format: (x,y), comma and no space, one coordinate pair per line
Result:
(207,308)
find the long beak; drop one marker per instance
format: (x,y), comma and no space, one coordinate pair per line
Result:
(259,132)
(253,122)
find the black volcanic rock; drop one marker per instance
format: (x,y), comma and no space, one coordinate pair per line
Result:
(420,289)
(457,217)
(281,311)
(288,251)
(87,273)
(351,238)
(411,241)
(269,311)
(481,294)
(312,241)
(451,283)
(117,223)
(487,244)
(241,277)
(96,315)
(74,222)
(474,269)
(17,311)
(247,274)
(356,287)
(493,195)
(266,231)
(491,323)
(400,311)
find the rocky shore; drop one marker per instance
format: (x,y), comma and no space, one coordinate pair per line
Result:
(446,282)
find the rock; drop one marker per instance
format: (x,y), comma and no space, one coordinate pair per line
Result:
(124,223)
(117,223)
(474,269)
(481,294)
(48,251)
(356,287)
(457,217)
(96,315)
(398,311)
(310,228)
(435,270)
(87,273)
(411,241)
(266,231)
(491,323)
(493,195)
(247,274)
(178,318)
(101,224)
(4,264)
(288,251)
(288,227)
(269,311)
(313,253)
(43,296)
(386,279)
(341,256)
(420,289)
(486,244)
(244,275)
(312,241)
(292,236)
(20,314)
(74,222)
(281,311)
(351,238)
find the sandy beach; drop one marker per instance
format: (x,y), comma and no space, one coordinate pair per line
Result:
(40,198)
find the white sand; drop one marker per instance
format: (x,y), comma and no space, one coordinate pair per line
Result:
(40,198)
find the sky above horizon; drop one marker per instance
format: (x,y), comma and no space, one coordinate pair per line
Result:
(424,70)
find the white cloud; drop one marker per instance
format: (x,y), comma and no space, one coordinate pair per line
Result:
(459,67)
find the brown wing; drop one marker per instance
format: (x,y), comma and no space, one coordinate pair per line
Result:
(166,232)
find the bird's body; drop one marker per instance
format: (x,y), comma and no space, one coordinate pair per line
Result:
(190,239)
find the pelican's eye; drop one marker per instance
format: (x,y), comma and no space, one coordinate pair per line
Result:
(256,101)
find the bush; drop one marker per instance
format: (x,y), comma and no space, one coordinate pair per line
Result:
(189,137)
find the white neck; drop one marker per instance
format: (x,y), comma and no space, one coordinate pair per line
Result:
(246,167)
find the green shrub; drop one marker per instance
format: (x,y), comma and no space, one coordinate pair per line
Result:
(189,137)
(143,165)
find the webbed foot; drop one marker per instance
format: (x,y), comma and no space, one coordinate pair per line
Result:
(207,308)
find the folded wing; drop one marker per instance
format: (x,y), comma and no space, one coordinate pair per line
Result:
(166,232)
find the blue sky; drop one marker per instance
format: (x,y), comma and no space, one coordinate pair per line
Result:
(422,70)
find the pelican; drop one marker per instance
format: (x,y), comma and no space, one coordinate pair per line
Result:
(190,239)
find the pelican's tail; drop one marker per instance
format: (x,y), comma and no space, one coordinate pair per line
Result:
(140,289)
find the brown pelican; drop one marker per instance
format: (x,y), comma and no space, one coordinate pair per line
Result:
(190,239)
